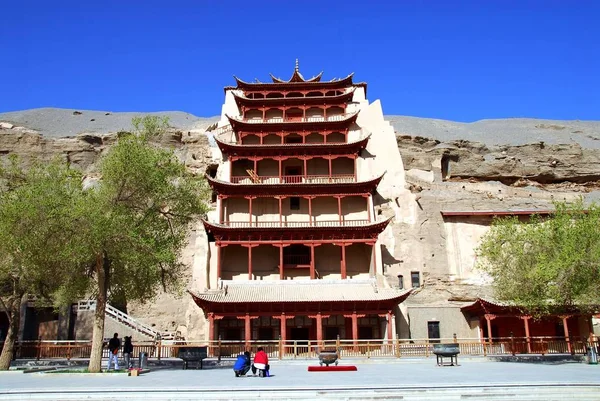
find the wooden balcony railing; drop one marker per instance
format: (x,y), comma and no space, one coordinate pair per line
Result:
(309,349)
(294,179)
(296,259)
(299,119)
(283,224)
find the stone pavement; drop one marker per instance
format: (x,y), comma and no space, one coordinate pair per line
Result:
(410,379)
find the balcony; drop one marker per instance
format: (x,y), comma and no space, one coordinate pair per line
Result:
(296,224)
(295,179)
(299,119)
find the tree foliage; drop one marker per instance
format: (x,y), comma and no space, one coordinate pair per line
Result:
(546,264)
(137,221)
(38,220)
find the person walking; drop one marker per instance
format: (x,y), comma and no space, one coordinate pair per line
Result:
(127,351)
(113,347)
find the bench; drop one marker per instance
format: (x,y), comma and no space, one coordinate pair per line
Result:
(442,351)
(192,354)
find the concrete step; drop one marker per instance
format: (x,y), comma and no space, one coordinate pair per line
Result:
(549,392)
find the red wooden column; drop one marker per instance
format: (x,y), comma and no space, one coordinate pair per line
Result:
(373,258)
(343,262)
(354,329)
(280,161)
(312,260)
(247,330)
(280,198)
(566,329)
(330,169)
(489,319)
(250,208)
(281,262)
(310,216)
(389,325)
(305,160)
(526,322)
(319,329)
(283,330)
(220,203)
(368,200)
(250,246)
(218,261)
(281,246)
(339,199)
(354,157)
(211,327)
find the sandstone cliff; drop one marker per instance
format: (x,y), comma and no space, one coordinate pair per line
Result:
(487,165)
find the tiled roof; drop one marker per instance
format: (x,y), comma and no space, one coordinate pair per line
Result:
(300,291)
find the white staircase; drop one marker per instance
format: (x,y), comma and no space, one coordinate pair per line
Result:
(127,320)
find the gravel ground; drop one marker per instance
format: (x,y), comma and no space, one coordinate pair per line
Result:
(63,122)
(513,131)
(508,131)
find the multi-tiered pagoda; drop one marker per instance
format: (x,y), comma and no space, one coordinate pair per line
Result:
(295,250)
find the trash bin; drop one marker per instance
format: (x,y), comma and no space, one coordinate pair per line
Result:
(592,356)
(143,360)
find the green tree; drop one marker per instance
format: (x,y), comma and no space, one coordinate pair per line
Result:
(38,209)
(546,263)
(138,216)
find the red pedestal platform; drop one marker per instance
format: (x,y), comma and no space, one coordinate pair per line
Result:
(343,368)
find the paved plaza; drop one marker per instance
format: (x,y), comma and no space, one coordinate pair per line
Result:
(384,379)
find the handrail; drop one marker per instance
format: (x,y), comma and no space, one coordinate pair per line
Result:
(111,311)
(277,224)
(309,349)
(337,117)
(294,179)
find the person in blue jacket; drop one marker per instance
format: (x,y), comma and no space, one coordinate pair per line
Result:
(242,364)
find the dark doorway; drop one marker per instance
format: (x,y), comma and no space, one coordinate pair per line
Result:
(293,171)
(299,333)
(265,333)
(331,333)
(433,332)
(365,333)
(233,334)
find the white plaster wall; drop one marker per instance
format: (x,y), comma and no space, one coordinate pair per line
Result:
(462,240)
(229,108)
(452,321)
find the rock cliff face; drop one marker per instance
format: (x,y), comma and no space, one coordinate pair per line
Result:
(487,165)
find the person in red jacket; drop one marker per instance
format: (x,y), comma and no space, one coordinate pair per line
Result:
(261,362)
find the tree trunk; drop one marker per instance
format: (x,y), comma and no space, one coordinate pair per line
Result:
(103,276)
(13,331)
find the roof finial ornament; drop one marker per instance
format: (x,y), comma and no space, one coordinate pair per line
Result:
(297,66)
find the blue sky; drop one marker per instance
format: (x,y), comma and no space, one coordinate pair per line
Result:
(457,60)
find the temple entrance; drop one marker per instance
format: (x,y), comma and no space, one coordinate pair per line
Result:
(232,334)
(365,332)
(265,333)
(331,333)
(300,334)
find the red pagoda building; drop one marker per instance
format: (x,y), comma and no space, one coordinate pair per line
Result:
(295,253)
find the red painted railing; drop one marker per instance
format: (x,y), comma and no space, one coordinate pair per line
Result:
(309,349)
(338,117)
(296,259)
(295,179)
(277,224)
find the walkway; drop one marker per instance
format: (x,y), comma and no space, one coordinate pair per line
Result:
(411,379)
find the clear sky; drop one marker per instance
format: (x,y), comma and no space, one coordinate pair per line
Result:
(451,59)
